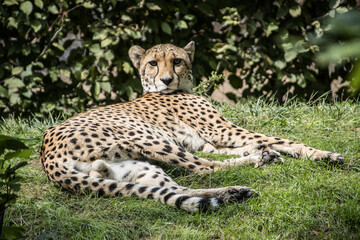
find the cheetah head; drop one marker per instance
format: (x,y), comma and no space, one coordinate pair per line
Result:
(164,67)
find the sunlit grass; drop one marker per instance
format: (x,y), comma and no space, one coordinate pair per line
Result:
(299,199)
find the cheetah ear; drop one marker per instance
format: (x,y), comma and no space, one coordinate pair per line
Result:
(190,50)
(135,54)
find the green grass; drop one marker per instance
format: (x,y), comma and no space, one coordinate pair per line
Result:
(300,199)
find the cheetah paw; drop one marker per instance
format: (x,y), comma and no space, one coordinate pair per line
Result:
(330,157)
(271,157)
(238,194)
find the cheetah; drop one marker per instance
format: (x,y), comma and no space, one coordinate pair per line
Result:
(113,150)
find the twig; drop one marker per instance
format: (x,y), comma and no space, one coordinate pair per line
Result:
(63,15)
(51,40)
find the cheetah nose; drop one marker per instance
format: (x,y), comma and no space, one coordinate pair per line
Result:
(166,81)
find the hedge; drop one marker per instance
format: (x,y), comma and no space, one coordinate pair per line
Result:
(66,56)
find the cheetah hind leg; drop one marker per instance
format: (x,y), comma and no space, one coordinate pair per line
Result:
(146,174)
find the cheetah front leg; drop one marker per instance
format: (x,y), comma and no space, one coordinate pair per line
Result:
(228,138)
(165,151)
(297,150)
(264,154)
(271,147)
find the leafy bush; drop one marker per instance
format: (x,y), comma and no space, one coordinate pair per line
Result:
(346,28)
(65,56)
(9,181)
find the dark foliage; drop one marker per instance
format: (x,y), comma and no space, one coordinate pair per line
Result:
(65,56)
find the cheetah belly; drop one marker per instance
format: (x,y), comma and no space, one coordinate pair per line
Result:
(188,137)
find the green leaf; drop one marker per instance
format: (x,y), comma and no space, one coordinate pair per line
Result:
(100,35)
(129,91)
(89,5)
(26,50)
(84,74)
(17,70)
(127,67)
(342,10)
(23,153)
(37,64)
(292,49)
(54,74)
(295,11)
(189,17)
(65,72)
(53,9)
(106,42)
(27,94)
(354,76)
(334,3)
(290,55)
(12,143)
(13,232)
(36,25)
(10,2)
(205,8)
(3,92)
(28,71)
(26,7)
(95,48)
(126,18)
(152,6)
(182,24)
(270,28)
(335,52)
(14,98)
(39,4)
(14,82)
(301,80)
(280,64)
(283,11)
(106,86)
(97,90)
(12,22)
(58,46)
(165,27)
(109,55)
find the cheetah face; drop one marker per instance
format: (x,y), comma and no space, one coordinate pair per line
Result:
(164,67)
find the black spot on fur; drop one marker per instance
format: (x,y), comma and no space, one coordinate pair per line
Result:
(169,195)
(204,204)
(100,192)
(155,189)
(112,187)
(129,186)
(164,191)
(142,189)
(180,200)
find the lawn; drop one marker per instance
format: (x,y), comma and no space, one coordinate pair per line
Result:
(299,199)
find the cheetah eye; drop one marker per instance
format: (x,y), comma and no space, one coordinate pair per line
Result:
(153,63)
(177,61)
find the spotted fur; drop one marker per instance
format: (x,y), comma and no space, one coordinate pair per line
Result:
(107,149)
